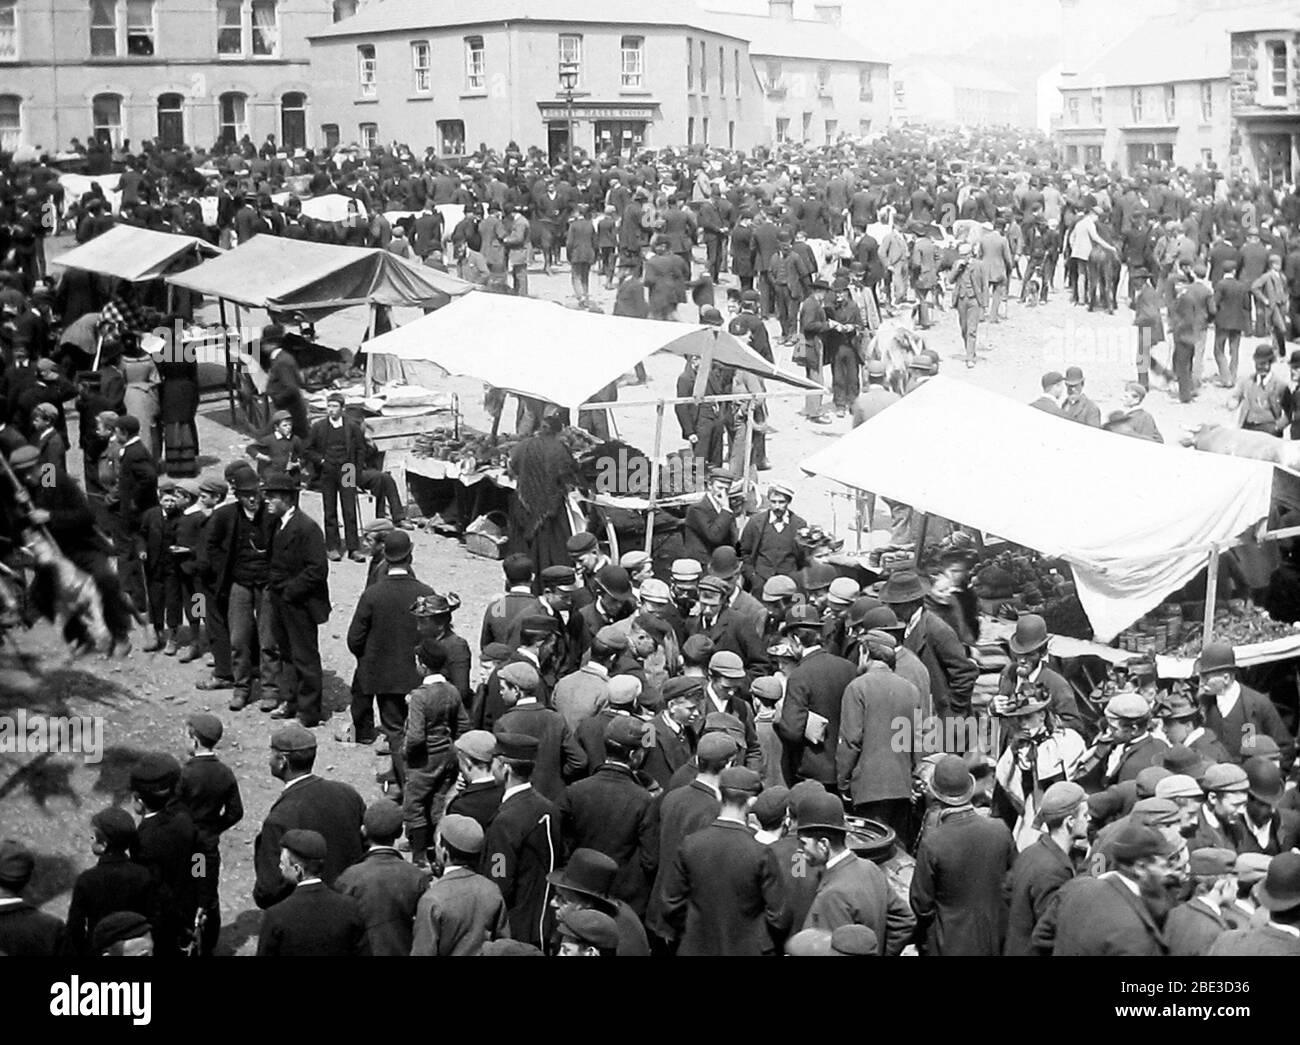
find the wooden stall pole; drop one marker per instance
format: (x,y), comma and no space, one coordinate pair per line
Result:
(230,367)
(859,503)
(749,448)
(654,475)
(1211,596)
(920,542)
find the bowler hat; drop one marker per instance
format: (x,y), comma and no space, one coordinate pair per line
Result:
(1280,889)
(280,482)
(952,783)
(1265,780)
(614,581)
(823,812)
(588,872)
(397,546)
(1216,656)
(803,616)
(1030,634)
(903,587)
(724,562)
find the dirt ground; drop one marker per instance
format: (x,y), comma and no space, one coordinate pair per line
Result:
(47,800)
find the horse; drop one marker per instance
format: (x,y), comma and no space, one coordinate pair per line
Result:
(895,344)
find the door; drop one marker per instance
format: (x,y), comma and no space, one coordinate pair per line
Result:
(621,136)
(293,121)
(1273,158)
(557,141)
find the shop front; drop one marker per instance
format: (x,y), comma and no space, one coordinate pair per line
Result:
(598,127)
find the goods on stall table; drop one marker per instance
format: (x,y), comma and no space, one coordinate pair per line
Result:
(1022,581)
(325,375)
(1237,623)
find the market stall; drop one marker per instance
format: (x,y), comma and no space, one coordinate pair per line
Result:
(299,280)
(480,336)
(1135,521)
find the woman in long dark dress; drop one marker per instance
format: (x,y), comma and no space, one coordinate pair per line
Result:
(180,407)
(544,472)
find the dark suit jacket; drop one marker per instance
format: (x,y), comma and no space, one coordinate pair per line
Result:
(1101,916)
(559,757)
(116,883)
(817,684)
(682,812)
(387,888)
(952,672)
(613,813)
(706,528)
(1254,711)
(1031,888)
(520,848)
(329,807)
(957,885)
(1231,304)
(1061,701)
(730,631)
(723,893)
(1283,834)
(1191,929)
(1269,941)
(856,892)
(165,845)
(314,922)
(354,438)
(669,752)
(299,571)
(284,381)
(479,801)
(216,559)
(868,766)
(137,484)
(28,932)
(501,613)
(384,633)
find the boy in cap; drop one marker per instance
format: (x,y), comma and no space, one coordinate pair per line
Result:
(25,930)
(123,934)
(336,448)
(386,887)
(559,759)
(166,844)
(114,883)
(209,791)
(1041,870)
(281,450)
(587,933)
(313,920)
(1193,926)
(460,910)
(435,718)
(184,578)
(478,792)
(158,533)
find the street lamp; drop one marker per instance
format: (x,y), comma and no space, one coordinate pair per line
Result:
(569,81)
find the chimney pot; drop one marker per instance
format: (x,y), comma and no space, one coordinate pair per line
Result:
(781,10)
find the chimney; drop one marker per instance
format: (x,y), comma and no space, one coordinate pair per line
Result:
(832,14)
(781,10)
(1070,29)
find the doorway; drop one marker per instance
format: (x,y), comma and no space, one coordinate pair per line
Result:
(557,141)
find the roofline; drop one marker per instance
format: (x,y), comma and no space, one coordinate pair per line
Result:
(827,61)
(333,31)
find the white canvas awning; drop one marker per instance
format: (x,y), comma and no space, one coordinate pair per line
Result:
(565,356)
(1134,519)
(133,254)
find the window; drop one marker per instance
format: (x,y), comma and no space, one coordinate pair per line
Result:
(823,81)
(864,128)
(632,51)
(8,29)
(11,121)
(900,92)
(1207,101)
(103,28)
(690,64)
(171,121)
(330,132)
(807,127)
(1135,104)
(1097,108)
(704,131)
(266,29)
(1207,156)
(475,80)
(451,137)
(344,9)
(1092,154)
(1165,152)
(690,130)
(366,70)
(106,118)
(234,116)
(704,68)
(368,135)
(731,134)
(420,65)
(570,55)
(1171,103)
(1072,155)
(722,71)
(782,129)
(736,55)
(832,131)
(293,120)
(774,81)
(139,28)
(1072,109)
(865,91)
(1276,51)
(230,27)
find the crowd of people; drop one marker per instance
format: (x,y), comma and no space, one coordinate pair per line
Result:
(701,755)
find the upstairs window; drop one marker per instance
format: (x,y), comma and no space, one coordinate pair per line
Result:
(420,65)
(475,78)
(366,70)
(632,61)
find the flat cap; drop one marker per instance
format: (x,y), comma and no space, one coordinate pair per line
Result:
(1147,779)
(23,458)
(117,927)
(518,746)
(206,727)
(581,543)
(625,731)
(1251,867)
(716,745)
(509,948)
(779,587)
(687,570)
(772,805)
(633,560)
(1178,785)
(128,424)
(478,744)
(1128,706)
(461,832)
(116,826)
(1212,862)
(843,591)
(1154,812)
(767,688)
(738,778)
(1052,377)
(1225,776)
(698,648)
(1183,760)
(310,845)
(652,624)
(810,943)
(496,651)
(803,616)
(521,675)
(214,487)
(1136,842)
(727,664)
(336,397)
(855,940)
(189,487)
(683,686)
(1062,797)
(715,584)
(655,591)
(589,926)
(559,577)
(1259,745)
(293,737)
(624,690)
(155,770)
(384,525)
(397,545)
(382,819)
